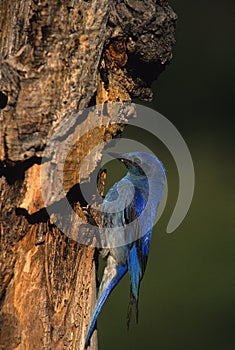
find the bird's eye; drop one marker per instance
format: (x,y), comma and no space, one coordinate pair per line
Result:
(137,161)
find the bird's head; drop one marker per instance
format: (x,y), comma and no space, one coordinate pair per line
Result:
(140,164)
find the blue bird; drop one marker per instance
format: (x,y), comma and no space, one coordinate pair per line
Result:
(127,217)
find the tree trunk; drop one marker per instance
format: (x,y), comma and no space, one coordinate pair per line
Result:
(58,57)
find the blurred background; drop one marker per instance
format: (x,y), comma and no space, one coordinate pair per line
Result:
(187,297)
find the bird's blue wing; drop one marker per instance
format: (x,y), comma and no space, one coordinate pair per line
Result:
(137,252)
(113,221)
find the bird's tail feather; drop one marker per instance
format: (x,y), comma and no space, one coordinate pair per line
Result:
(134,270)
(105,289)
(129,310)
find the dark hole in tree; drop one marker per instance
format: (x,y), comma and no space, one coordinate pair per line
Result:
(3,100)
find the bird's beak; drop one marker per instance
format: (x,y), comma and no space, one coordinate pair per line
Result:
(115,155)
(119,157)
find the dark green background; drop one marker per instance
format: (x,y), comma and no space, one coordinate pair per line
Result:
(187,297)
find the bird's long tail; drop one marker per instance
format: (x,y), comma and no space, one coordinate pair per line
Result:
(129,310)
(112,275)
(135,276)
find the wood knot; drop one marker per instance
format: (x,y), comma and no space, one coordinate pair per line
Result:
(116,54)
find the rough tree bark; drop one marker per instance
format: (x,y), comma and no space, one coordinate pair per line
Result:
(58,57)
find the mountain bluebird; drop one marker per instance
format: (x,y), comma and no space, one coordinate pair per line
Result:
(127,217)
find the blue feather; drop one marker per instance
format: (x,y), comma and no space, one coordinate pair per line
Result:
(127,218)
